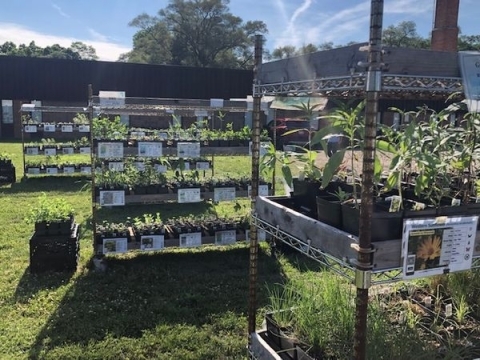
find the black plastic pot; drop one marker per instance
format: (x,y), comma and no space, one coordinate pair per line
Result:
(329,210)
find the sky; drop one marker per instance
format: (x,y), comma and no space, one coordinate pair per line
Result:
(104,23)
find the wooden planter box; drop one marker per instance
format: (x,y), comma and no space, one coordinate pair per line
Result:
(337,243)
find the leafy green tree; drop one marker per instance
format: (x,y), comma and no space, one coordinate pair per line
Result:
(404,35)
(196,33)
(469,43)
(76,51)
(86,52)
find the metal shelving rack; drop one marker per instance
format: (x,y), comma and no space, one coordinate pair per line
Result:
(153,107)
(29,108)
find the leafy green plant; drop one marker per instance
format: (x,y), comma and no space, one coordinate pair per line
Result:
(105,128)
(49,209)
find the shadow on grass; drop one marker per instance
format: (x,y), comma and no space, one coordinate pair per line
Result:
(144,291)
(31,284)
(59,184)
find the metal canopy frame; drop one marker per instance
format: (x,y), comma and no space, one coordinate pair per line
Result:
(393,86)
(53,109)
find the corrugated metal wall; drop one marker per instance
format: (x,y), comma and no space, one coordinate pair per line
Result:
(67,80)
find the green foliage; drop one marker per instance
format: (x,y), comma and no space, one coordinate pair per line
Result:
(76,51)
(49,209)
(105,128)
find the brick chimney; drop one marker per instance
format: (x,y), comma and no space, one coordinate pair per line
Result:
(445,26)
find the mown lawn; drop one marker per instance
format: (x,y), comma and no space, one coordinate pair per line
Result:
(176,304)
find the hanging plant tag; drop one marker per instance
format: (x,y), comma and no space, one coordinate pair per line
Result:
(68,150)
(152,242)
(262,190)
(52,170)
(84,128)
(115,246)
(85,150)
(224,194)
(160,168)
(32,150)
(49,128)
(150,149)
(50,151)
(68,169)
(448,310)
(67,128)
(202,165)
(112,198)
(188,150)
(191,239)
(428,301)
(189,195)
(395,203)
(30,128)
(110,150)
(226,237)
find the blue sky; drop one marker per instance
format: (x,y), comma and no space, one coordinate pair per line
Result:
(104,23)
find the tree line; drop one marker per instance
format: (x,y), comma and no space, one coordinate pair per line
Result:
(204,33)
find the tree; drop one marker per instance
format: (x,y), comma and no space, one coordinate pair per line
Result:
(86,52)
(404,35)
(284,52)
(76,51)
(469,43)
(196,33)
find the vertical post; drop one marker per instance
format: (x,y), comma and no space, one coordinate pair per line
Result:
(252,289)
(373,88)
(92,165)
(274,172)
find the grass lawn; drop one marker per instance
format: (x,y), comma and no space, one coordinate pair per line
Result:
(176,304)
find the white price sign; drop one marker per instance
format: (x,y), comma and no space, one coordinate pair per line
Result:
(152,242)
(68,169)
(68,150)
(150,149)
(115,246)
(84,128)
(189,195)
(188,150)
(52,170)
(67,128)
(223,194)
(438,245)
(86,169)
(137,134)
(50,151)
(190,239)
(30,128)
(33,171)
(226,237)
(110,150)
(115,166)
(49,128)
(112,198)
(32,151)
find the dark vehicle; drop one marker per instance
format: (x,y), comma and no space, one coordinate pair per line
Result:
(299,137)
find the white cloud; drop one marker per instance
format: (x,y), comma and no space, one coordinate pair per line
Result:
(18,34)
(60,11)
(97,36)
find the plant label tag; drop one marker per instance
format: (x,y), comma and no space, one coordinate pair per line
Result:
(52,170)
(448,310)
(162,135)
(349,179)
(114,246)
(115,166)
(264,146)
(32,151)
(30,128)
(202,165)
(395,203)
(50,151)
(224,194)
(262,190)
(189,195)
(86,169)
(84,128)
(112,198)
(428,301)
(160,168)
(33,171)
(152,242)
(186,165)
(226,237)
(191,239)
(68,150)
(139,165)
(150,149)
(85,150)
(188,150)
(456,202)
(49,128)
(67,128)
(68,169)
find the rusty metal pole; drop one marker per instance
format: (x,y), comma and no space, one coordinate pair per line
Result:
(253,274)
(373,88)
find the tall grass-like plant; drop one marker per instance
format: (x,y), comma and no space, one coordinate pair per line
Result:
(49,209)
